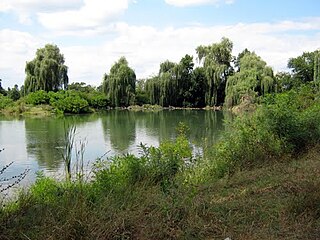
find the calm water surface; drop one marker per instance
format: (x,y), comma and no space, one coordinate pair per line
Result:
(36,143)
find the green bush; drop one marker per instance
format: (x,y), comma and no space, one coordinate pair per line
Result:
(36,98)
(98,101)
(285,123)
(68,102)
(155,166)
(5,101)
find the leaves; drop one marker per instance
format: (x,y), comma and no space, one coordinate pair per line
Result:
(119,85)
(46,71)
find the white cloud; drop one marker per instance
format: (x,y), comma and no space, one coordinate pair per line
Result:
(27,8)
(16,48)
(187,3)
(93,13)
(146,47)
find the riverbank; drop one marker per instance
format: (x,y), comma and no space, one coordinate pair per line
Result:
(47,110)
(260,181)
(279,200)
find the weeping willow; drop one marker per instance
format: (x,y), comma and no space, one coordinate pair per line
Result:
(164,88)
(119,85)
(46,71)
(216,60)
(254,79)
(153,90)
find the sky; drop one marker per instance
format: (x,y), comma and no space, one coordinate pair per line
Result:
(94,34)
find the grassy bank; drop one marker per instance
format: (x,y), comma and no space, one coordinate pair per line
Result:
(261,181)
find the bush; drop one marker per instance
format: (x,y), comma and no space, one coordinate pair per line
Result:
(98,101)
(68,102)
(285,123)
(5,101)
(156,166)
(36,98)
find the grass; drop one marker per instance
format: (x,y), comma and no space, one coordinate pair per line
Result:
(276,201)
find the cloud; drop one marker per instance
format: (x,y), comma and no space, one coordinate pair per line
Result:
(93,13)
(27,8)
(145,47)
(187,3)
(16,48)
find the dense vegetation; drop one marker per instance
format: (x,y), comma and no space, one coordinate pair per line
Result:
(219,79)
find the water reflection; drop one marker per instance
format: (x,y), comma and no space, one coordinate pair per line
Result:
(119,128)
(38,141)
(45,138)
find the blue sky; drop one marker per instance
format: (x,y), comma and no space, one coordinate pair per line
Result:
(93,34)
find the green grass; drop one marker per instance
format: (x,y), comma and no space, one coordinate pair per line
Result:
(278,201)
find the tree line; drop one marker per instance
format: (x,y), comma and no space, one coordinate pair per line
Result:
(218,79)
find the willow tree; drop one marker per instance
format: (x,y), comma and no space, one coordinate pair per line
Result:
(119,84)
(168,76)
(217,65)
(254,79)
(152,87)
(316,71)
(46,71)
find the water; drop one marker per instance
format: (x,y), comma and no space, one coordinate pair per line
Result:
(36,143)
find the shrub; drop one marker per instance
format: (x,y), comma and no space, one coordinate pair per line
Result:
(285,123)
(39,97)
(5,101)
(98,101)
(68,102)
(155,166)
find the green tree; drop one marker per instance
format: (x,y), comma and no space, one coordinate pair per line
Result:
(119,85)
(217,65)
(46,71)
(81,87)
(141,94)
(305,68)
(284,81)
(185,69)
(168,76)
(14,93)
(198,88)
(255,78)
(152,87)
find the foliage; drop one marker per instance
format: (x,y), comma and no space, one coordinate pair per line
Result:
(217,65)
(253,79)
(81,87)
(119,85)
(68,102)
(285,123)
(155,166)
(5,101)
(305,67)
(14,93)
(97,100)
(177,85)
(46,71)
(38,97)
